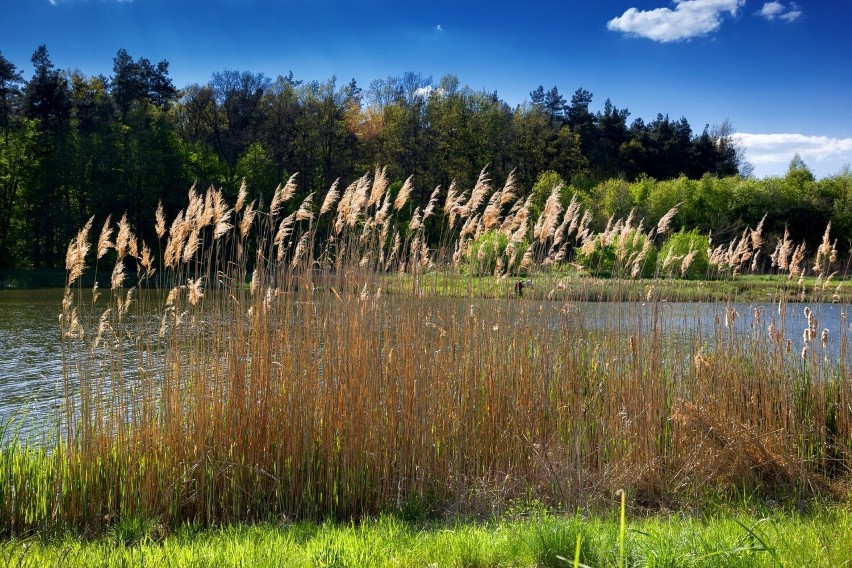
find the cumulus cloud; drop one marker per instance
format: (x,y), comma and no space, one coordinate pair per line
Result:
(690,18)
(769,149)
(777,10)
(439,28)
(772,10)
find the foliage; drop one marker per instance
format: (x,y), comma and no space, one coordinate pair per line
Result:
(489,251)
(625,253)
(485,251)
(103,144)
(75,146)
(685,254)
(544,184)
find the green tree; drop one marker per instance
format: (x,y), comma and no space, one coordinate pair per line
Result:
(256,167)
(10,91)
(533,143)
(611,135)
(582,121)
(14,152)
(542,189)
(614,198)
(18,166)
(47,199)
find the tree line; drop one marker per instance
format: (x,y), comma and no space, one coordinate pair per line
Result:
(73,146)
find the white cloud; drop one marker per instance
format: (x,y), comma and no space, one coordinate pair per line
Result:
(690,18)
(792,14)
(772,10)
(777,10)
(439,28)
(768,150)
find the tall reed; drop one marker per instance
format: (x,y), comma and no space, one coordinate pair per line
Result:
(259,371)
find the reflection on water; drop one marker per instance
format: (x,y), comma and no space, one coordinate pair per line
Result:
(31,357)
(30,354)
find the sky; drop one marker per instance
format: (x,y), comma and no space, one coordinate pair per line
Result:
(780,72)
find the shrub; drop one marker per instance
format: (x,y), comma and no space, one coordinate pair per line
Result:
(685,254)
(492,246)
(626,253)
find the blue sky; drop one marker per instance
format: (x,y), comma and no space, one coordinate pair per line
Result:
(779,71)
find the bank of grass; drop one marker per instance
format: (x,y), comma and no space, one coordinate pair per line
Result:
(577,286)
(723,539)
(313,394)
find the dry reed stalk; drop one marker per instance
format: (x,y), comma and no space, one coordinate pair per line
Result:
(545,226)
(75,257)
(312,394)
(480,190)
(432,204)
(380,184)
(104,243)
(247,220)
(282,194)
(687,260)
(123,238)
(403,195)
(330,198)
(242,195)
(491,215)
(160,220)
(220,217)
(451,199)
(795,263)
(665,221)
(507,194)
(416,222)
(304,213)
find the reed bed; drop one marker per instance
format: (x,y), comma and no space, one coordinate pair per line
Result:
(260,370)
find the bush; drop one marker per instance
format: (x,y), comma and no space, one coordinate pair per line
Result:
(489,247)
(672,260)
(629,253)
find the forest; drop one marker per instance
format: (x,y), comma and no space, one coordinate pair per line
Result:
(74,146)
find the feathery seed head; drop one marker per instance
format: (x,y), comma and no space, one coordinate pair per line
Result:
(242,194)
(380,184)
(330,198)
(104,243)
(403,195)
(160,220)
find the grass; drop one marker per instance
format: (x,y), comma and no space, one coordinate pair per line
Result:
(776,539)
(572,285)
(260,371)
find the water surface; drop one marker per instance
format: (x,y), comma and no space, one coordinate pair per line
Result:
(31,356)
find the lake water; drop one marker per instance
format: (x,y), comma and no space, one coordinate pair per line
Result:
(31,357)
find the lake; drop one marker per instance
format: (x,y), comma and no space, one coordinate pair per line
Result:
(31,357)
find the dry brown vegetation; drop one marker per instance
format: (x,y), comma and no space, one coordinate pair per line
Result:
(267,374)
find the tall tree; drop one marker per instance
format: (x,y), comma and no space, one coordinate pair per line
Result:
(135,81)
(238,95)
(14,152)
(46,97)
(47,101)
(10,82)
(581,120)
(555,105)
(611,134)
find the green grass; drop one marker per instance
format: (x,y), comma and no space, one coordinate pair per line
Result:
(779,538)
(573,285)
